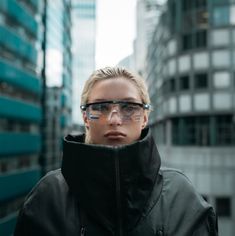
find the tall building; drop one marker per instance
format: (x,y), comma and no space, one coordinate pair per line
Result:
(35,96)
(147,13)
(57,76)
(83,39)
(191,76)
(20,107)
(127,62)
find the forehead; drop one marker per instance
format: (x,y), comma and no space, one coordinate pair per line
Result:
(114,89)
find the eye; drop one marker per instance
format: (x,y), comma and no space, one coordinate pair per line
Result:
(129,108)
(100,107)
(104,107)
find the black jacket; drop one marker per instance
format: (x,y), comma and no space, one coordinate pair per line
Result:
(114,191)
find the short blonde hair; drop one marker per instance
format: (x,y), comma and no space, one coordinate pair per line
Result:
(114,73)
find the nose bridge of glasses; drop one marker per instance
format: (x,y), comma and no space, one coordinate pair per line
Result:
(115,109)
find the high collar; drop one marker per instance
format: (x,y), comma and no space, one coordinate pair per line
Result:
(96,172)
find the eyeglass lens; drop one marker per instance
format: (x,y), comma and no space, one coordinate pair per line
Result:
(126,111)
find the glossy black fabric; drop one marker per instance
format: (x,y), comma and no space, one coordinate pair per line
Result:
(118,191)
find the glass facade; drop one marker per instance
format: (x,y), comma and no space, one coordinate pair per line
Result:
(58,80)
(35,47)
(84,30)
(20,106)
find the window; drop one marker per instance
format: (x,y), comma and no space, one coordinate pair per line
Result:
(187,5)
(221,16)
(202,19)
(184,82)
(196,40)
(200,3)
(223,206)
(172,85)
(188,22)
(191,131)
(201,39)
(215,2)
(201,81)
(169,86)
(175,131)
(225,130)
(187,42)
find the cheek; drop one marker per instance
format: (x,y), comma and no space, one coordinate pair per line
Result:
(95,129)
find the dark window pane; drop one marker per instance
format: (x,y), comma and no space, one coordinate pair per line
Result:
(225,130)
(187,5)
(187,42)
(172,85)
(184,82)
(201,39)
(175,131)
(223,206)
(201,3)
(187,22)
(201,81)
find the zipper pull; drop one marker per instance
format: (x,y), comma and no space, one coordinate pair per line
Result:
(83,230)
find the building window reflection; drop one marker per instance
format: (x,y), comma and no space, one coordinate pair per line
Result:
(221,16)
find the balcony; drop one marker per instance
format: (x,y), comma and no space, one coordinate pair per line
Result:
(18,183)
(19,78)
(20,14)
(16,44)
(24,143)
(19,110)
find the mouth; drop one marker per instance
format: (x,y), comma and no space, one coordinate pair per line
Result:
(114,135)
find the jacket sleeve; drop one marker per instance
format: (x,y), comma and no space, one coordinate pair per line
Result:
(208,226)
(22,225)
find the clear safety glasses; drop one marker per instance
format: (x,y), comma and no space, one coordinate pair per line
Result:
(127,111)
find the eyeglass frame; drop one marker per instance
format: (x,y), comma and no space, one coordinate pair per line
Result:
(142,105)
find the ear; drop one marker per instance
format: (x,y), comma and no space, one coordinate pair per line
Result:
(145,120)
(85,119)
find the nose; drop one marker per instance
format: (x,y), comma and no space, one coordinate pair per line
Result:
(114,118)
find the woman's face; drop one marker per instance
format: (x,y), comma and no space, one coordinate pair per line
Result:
(115,129)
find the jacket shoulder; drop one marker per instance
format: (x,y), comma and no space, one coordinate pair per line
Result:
(177,180)
(184,205)
(48,187)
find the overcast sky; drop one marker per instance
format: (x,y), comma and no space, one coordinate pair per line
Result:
(115,31)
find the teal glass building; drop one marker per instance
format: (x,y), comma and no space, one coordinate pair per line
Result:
(20,107)
(35,90)
(57,75)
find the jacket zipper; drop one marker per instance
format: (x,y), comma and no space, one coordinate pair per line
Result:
(118,196)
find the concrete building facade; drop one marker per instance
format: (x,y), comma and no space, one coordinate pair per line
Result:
(191,76)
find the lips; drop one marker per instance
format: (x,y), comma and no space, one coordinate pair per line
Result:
(114,135)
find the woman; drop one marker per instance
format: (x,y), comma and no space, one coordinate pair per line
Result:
(110,182)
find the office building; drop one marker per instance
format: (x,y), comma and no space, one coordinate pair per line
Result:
(57,76)
(20,107)
(83,39)
(191,76)
(147,14)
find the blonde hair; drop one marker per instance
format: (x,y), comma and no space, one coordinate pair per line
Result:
(113,73)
